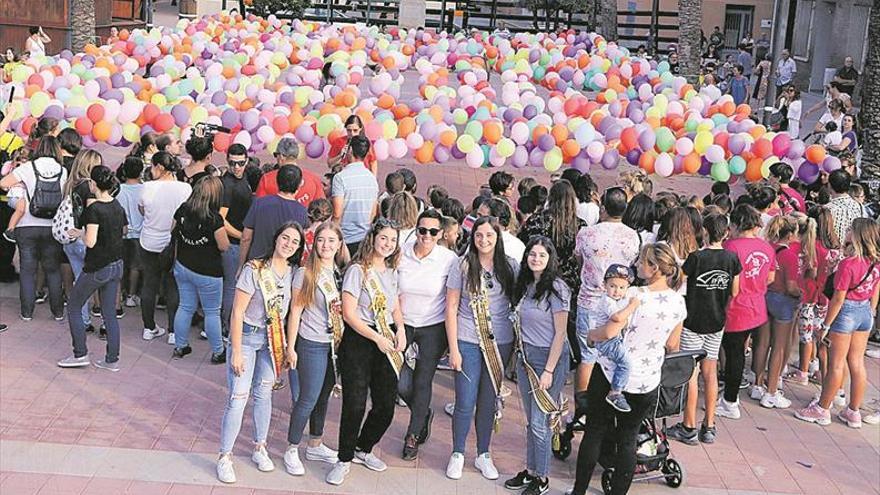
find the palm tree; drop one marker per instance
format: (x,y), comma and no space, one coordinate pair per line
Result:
(82,24)
(606,19)
(870,111)
(690,19)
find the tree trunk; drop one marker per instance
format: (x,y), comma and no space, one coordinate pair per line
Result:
(606,19)
(82,24)
(690,19)
(870,111)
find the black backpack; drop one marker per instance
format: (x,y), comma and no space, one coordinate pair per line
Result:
(47,194)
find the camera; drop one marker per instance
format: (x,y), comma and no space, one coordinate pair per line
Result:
(204,129)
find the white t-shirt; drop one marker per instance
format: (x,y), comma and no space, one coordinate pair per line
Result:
(35,47)
(827,117)
(160,200)
(47,168)
(513,247)
(794,118)
(833,138)
(588,212)
(602,312)
(422,285)
(645,340)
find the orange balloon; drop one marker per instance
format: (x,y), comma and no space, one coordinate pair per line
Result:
(560,134)
(491,132)
(101,130)
(757,131)
(629,138)
(815,153)
(763,148)
(539,131)
(570,148)
(406,126)
(447,138)
(385,101)
(426,153)
(646,163)
(691,163)
(753,170)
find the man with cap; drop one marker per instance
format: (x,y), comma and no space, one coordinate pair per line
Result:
(287,153)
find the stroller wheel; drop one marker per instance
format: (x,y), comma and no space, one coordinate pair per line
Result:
(564,445)
(606,480)
(674,472)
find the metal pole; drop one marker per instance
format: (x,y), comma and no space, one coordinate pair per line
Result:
(442,15)
(494,13)
(368,12)
(329,9)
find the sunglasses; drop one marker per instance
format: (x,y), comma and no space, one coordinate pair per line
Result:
(382,223)
(426,231)
(490,282)
(237,163)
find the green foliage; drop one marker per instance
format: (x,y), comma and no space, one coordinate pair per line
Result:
(296,8)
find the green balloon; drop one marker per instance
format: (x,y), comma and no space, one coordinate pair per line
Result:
(737,165)
(720,171)
(665,139)
(474,129)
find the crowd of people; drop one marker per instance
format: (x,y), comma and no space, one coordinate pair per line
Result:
(352,290)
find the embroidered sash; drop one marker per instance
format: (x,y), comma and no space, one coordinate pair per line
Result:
(273,301)
(328,286)
(479,304)
(379,306)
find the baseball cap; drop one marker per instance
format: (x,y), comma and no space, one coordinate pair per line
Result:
(287,147)
(620,271)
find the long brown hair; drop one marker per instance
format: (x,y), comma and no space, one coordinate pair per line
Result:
(364,255)
(825,231)
(206,197)
(807,230)
(403,210)
(500,264)
(562,207)
(81,169)
(677,230)
(312,264)
(780,228)
(865,235)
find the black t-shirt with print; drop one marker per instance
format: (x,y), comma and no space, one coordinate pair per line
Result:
(196,246)
(110,219)
(710,275)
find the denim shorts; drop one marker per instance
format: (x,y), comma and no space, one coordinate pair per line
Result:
(854,316)
(589,354)
(781,307)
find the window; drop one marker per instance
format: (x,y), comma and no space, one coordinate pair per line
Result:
(803,30)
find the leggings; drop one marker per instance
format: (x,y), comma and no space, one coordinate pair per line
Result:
(153,276)
(734,345)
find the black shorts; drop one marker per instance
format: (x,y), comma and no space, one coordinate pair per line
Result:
(131,257)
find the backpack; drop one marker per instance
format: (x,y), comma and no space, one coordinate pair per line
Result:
(62,222)
(47,194)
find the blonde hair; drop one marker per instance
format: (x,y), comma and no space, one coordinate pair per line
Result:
(312,264)
(81,168)
(780,228)
(661,257)
(635,182)
(807,228)
(865,239)
(403,210)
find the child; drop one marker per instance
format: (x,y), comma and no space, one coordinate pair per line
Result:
(449,240)
(712,279)
(129,197)
(394,183)
(320,210)
(833,136)
(613,312)
(16,196)
(738,86)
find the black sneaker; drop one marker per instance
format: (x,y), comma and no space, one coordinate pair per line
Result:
(42,296)
(120,313)
(618,401)
(425,434)
(90,328)
(520,481)
(708,434)
(217,358)
(410,448)
(744,384)
(683,434)
(3,327)
(102,333)
(96,311)
(9,235)
(538,486)
(160,303)
(181,352)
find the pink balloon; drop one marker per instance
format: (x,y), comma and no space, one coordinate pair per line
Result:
(663,165)
(397,148)
(414,141)
(595,150)
(382,149)
(715,153)
(683,146)
(474,157)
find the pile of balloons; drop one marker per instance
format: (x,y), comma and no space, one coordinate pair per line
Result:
(544,100)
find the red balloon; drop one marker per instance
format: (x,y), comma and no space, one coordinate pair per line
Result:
(163,122)
(762,148)
(280,125)
(150,113)
(83,126)
(95,112)
(222,142)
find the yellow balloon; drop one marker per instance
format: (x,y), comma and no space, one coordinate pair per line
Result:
(198,114)
(159,100)
(131,132)
(702,141)
(389,129)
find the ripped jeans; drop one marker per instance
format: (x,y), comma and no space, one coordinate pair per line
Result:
(257,379)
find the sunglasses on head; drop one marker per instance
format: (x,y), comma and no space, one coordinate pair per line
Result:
(382,223)
(426,231)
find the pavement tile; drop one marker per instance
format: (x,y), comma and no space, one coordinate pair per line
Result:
(186,489)
(23,483)
(147,488)
(98,486)
(65,484)
(231,490)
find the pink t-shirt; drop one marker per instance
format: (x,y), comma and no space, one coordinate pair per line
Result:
(795,197)
(786,266)
(749,309)
(851,278)
(826,262)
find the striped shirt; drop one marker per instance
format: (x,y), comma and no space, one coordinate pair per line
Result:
(359,190)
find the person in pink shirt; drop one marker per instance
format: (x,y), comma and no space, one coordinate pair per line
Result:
(850,318)
(789,199)
(783,299)
(748,309)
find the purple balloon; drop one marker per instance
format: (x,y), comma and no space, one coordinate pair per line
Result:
(796,150)
(530,111)
(180,114)
(546,142)
(54,111)
(736,144)
(218,98)
(441,154)
(647,140)
(520,157)
(610,159)
(633,155)
(457,153)
(581,163)
(808,172)
(677,164)
(305,134)
(705,166)
(229,118)
(831,163)
(536,157)
(315,148)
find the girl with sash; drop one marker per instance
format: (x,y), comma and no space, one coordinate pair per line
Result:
(314,331)
(256,345)
(540,326)
(370,356)
(480,335)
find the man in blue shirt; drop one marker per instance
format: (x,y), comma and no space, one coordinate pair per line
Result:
(268,213)
(355,192)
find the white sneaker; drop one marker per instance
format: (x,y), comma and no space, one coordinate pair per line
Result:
(729,410)
(449,408)
(262,460)
(337,475)
(873,353)
(132,301)
(171,340)
(814,367)
(871,418)
(225,471)
(776,400)
(749,375)
(369,460)
(203,335)
(456,464)
(74,362)
(757,392)
(154,333)
(292,464)
(322,453)
(840,398)
(484,464)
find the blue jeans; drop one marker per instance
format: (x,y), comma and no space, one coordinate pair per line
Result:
(854,316)
(106,282)
(36,246)
(474,391)
(76,254)
(310,386)
(539,437)
(230,267)
(614,350)
(194,288)
(257,378)
(583,326)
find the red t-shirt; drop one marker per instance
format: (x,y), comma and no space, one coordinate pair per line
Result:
(749,308)
(787,260)
(336,145)
(311,188)
(851,278)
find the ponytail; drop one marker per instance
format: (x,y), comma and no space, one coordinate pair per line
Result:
(781,227)
(807,229)
(104,178)
(662,257)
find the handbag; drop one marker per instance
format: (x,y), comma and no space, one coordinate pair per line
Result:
(828,290)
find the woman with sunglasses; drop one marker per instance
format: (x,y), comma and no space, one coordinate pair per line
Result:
(340,153)
(370,355)
(422,275)
(480,336)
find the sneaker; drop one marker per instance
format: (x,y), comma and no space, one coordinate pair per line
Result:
(814,414)
(708,434)
(776,400)
(59,317)
(160,303)
(102,333)
(132,301)
(154,333)
(42,296)
(120,313)
(520,481)
(337,475)
(74,362)
(96,311)
(871,418)
(757,392)
(369,460)
(425,434)
(9,235)
(873,353)
(218,357)
(797,377)
(292,464)
(225,471)
(853,419)
(449,408)
(744,384)
(618,401)
(749,375)
(683,434)
(25,318)
(729,410)
(262,460)
(814,367)
(505,391)
(90,328)
(104,365)
(322,453)
(486,467)
(455,465)
(3,327)
(538,486)
(171,340)
(179,353)
(874,338)
(840,398)
(410,448)
(203,335)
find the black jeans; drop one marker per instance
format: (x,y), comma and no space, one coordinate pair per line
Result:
(38,247)
(353,247)
(734,345)
(605,423)
(7,249)
(153,276)
(106,282)
(364,369)
(432,344)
